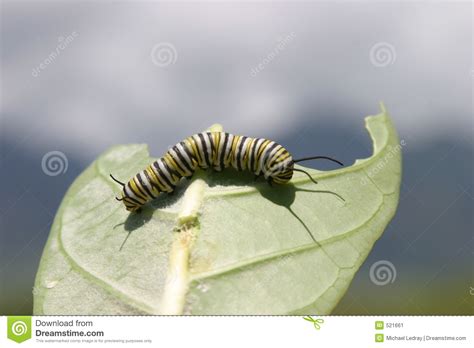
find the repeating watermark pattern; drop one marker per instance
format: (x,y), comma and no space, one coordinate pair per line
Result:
(471,291)
(172,277)
(374,170)
(54,163)
(273,271)
(19,328)
(281,46)
(316,322)
(164,54)
(63,43)
(382,272)
(92,291)
(382,54)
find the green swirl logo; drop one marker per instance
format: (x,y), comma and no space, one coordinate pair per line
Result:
(19,328)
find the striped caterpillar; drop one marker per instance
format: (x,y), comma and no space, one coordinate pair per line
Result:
(216,150)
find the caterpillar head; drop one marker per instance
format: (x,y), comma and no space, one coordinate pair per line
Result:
(130,204)
(281,172)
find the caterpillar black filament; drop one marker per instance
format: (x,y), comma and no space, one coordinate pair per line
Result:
(216,150)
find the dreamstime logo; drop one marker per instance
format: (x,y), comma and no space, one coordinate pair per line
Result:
(35,291)
(19,328)
(273,273)
(92,293)
(382,54)
(374,170)
(164,54)
(63,43)
(172,277)
(382,272)
(281,46)
(54,163)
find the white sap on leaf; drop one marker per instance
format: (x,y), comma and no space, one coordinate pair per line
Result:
(203,287)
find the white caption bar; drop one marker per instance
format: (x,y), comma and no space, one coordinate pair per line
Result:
(238,331)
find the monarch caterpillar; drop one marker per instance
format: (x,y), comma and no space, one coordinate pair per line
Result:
(217,150)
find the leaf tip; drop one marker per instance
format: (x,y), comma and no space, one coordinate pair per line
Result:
(216,127)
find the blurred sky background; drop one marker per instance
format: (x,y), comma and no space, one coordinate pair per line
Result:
(148,72)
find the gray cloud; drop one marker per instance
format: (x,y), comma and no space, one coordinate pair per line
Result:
(104,87)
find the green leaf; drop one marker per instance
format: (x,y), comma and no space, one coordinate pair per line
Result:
(222,244)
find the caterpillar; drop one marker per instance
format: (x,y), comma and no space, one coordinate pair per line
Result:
(216,150)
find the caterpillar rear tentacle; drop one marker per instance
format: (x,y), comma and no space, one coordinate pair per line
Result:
(216,150)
